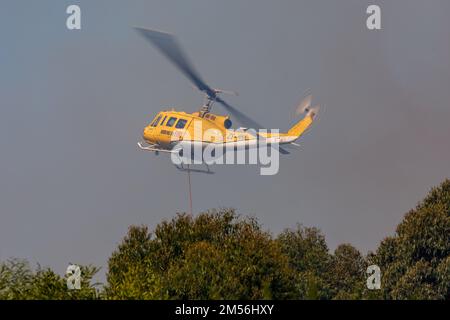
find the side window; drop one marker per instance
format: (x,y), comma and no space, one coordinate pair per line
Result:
(171,121)
(155,123)
(162,122)
(180,124)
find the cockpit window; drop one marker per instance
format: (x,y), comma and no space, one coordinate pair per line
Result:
(171,121)
(162,122)
(180,124)
(155,123)
(154,119)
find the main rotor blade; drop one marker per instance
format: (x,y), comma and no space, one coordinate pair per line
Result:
(240,116)
(168,45)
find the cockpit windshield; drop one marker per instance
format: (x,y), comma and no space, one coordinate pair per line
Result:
(155,121)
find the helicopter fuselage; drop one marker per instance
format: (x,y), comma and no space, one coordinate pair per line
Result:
(169,128)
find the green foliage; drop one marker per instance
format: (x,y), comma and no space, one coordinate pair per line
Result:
(19,282)
(138,282)
(306,249)
(221,255)
(131,275)
(347,273)
(309,260)
(216,255)
(415,262)
(417,282)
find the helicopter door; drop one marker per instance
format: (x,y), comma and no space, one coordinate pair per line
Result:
(180,128)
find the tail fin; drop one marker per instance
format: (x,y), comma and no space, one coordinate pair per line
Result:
(301,126)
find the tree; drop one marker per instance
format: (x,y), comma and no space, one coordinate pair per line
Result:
(415,262)
(221,255)
(217,254)
(309,259)
(347,273)
(18,281)
(130,274)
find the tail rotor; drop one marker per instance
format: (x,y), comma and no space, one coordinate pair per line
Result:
(305,107)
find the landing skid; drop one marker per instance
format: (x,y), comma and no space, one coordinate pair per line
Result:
(183,168)
(154,148)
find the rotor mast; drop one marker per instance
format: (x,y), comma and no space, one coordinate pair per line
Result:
(209,100)
(207,105)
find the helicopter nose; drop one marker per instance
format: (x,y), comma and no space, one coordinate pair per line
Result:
(147,134)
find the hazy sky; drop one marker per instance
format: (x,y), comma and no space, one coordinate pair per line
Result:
(74,103)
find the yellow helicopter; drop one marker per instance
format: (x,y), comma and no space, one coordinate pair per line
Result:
(170,129)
